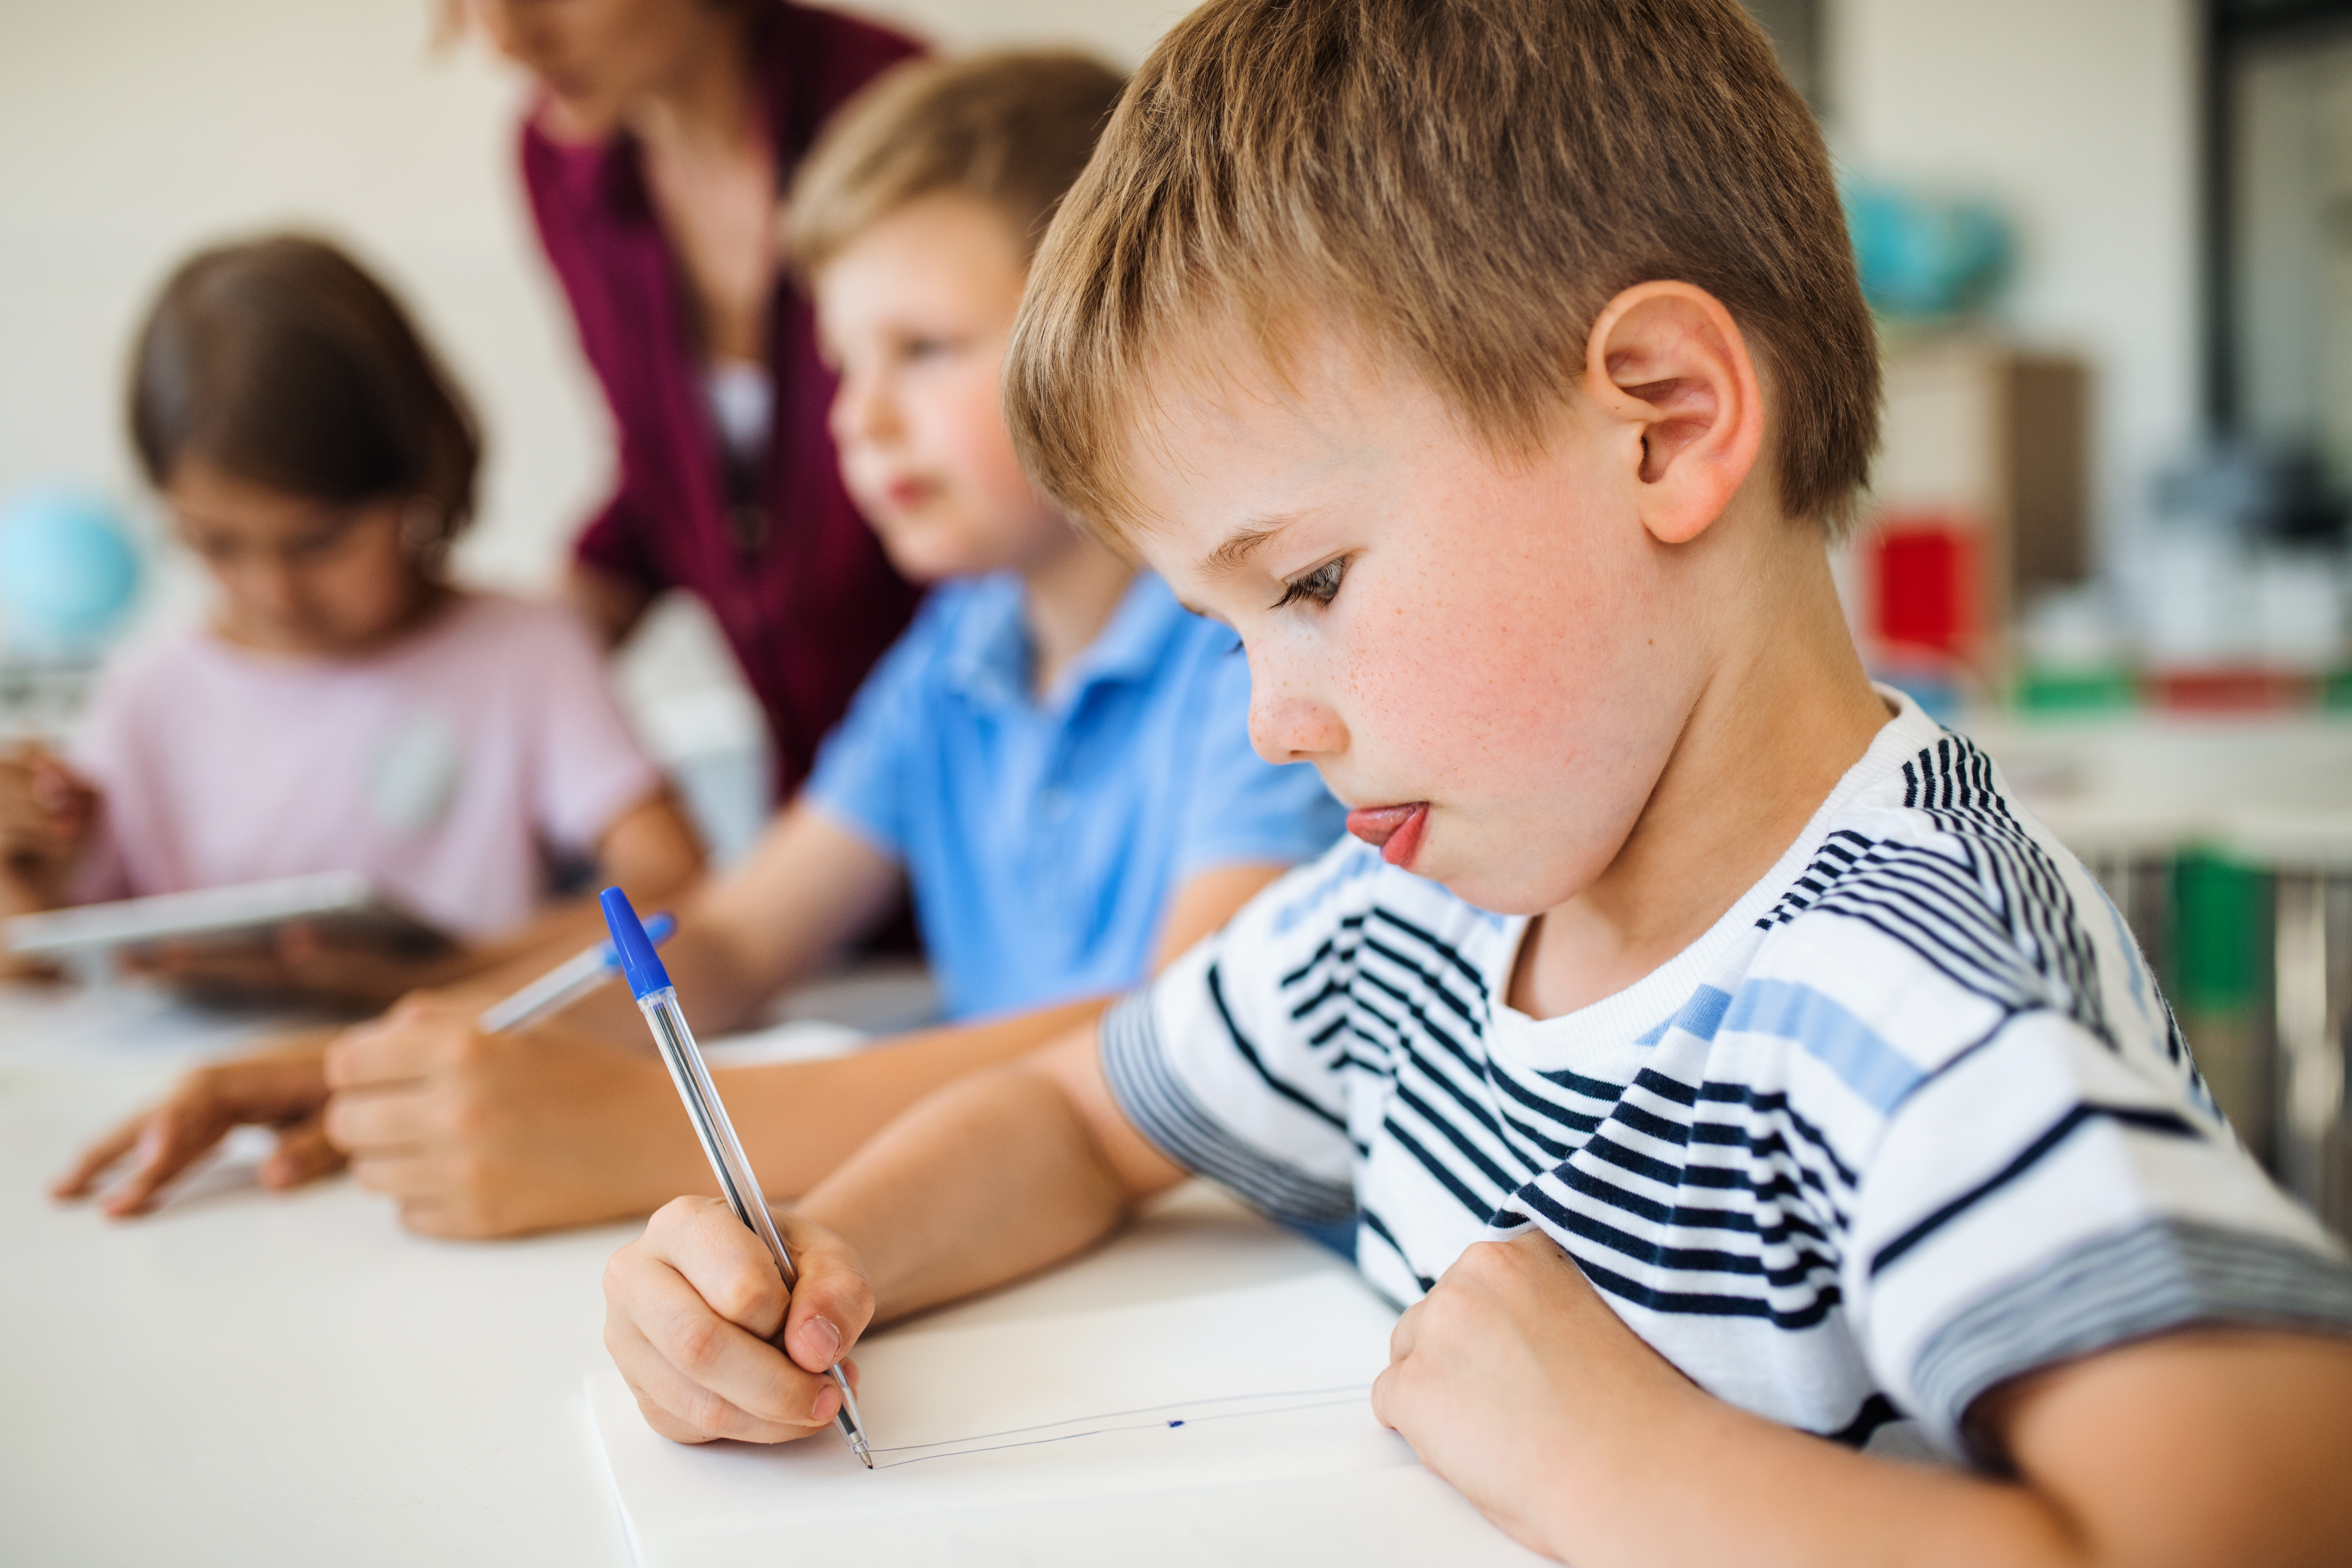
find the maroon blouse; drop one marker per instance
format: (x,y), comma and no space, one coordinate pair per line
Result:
(806,599)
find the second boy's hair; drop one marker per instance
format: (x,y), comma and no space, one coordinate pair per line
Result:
(283,361)
(1461,185)
(1010,129)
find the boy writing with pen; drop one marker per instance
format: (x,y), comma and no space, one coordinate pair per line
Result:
(1741,1091)
(1053,760)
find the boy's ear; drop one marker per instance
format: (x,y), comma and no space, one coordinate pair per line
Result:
(1667,366)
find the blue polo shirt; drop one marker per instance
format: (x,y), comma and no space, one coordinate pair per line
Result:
(1044,838)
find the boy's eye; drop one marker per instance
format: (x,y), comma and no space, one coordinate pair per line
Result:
(1320,586)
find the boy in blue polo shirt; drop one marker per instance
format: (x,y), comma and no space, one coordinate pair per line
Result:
(1045,835)
(1054,758)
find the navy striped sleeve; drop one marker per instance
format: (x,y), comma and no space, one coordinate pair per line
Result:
(1215,1066)
(2045,1196)
(1164,1110)
(2142,1278)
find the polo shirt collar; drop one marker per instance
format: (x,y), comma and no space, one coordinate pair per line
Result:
(989,658)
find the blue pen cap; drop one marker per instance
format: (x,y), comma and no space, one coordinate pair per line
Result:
(660,928)
(640,965)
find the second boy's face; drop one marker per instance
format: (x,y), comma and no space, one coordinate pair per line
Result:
(915,313)
(1481,656)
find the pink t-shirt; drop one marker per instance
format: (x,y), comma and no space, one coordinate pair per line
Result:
(451,767)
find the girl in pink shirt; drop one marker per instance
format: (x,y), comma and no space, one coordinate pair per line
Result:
(345,708)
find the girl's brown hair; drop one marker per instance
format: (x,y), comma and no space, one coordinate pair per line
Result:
(282,361)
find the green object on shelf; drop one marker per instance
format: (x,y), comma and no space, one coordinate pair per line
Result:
(2335,691)
(2221,934)
(2219,980)
(2108,690)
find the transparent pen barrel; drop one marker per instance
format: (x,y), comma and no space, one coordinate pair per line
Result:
(725,1152)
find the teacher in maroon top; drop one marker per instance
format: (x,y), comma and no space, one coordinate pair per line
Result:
(654,156)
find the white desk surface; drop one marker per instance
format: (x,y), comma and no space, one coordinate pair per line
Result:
(255,1379)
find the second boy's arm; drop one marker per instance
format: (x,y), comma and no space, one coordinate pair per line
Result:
(480,1135)
(809,888)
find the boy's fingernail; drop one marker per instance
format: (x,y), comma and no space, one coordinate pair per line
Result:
(827,1338)
(828,1400)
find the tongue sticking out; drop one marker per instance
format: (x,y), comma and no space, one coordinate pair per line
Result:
(1394,830)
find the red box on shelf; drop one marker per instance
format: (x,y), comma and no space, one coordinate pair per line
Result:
(1928,587)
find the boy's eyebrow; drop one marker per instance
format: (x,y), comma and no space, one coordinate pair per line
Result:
(1236,550)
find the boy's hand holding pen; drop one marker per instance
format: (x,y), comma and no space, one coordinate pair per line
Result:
(696,1377)
(828,1306)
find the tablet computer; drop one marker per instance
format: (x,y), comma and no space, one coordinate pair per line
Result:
(344,906)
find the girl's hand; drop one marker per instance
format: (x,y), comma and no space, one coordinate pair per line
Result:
(695,1312)
(284,1088)
(296,961)
(47,815)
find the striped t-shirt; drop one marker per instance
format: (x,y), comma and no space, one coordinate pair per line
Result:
(1910,1119)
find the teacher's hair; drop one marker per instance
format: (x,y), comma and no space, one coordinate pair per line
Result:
(281,361)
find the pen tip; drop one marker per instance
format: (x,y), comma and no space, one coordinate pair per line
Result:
(866,1459)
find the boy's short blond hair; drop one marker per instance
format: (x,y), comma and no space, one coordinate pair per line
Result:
(1010,129)
(1462,184)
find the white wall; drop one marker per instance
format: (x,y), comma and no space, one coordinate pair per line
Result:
(2080,115)
(132,130)
(129,132)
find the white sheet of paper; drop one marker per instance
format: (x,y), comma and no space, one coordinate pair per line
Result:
(1232,1427)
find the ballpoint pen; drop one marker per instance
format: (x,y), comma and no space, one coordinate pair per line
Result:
(657,1000)
(565,984)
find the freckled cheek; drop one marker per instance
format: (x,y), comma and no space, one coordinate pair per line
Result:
(1435,684)
(1441,710)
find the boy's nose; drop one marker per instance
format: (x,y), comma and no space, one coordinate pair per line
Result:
(1292,727)
(862,411)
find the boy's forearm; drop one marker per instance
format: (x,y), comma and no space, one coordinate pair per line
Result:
(987,1180)
(800,1120)
(1741,1489)
(2189,1448)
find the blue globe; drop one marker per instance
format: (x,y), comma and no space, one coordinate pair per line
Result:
(68,570)
(1923,258)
